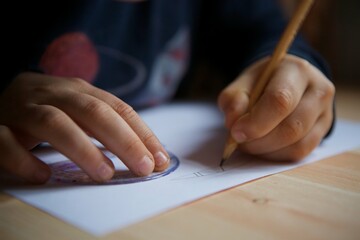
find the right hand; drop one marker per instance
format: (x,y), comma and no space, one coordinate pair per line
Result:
(63,112)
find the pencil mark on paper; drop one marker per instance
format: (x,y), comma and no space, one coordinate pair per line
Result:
(198,174)
(211,172)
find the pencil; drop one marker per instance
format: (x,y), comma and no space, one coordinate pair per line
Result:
(277,56)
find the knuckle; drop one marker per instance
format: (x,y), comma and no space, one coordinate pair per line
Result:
(78,82)
(302,64)
(282,100)
(89,154)
(50,118)
(329,90)
(125,111)
(96,108)
(131,146)
(28,91)
(148,137)
(292,129)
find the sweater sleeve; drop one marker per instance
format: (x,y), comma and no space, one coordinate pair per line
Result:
(237,33)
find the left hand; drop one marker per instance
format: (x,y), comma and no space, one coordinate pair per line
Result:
(291,117)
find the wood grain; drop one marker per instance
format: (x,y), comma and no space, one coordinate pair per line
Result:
(317,201)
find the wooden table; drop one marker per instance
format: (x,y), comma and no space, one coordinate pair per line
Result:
(317,201)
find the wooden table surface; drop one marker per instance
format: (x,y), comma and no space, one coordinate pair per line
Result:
(316,201)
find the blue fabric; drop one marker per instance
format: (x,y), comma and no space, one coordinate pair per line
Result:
(145,49)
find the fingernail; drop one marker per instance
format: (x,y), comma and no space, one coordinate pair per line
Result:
(145,166)
(239,136)
(160,159)
(105,172)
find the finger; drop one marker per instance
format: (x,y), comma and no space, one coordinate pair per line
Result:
(49,124)
(25,140)
(280,98)
(18,161)
(109,128)
(291,129)
(304,146)
(144,133)
(233,101)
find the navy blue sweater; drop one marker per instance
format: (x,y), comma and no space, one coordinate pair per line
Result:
(142,51)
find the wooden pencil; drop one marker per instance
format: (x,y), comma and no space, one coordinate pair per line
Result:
(277,56)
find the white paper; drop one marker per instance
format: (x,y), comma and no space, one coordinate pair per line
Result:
(194,132)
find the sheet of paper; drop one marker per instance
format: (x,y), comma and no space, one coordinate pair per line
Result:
(194,132)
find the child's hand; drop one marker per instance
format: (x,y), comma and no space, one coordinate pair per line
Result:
(290,118)
(63,111)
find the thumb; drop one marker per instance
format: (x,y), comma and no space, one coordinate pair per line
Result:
(233,101)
